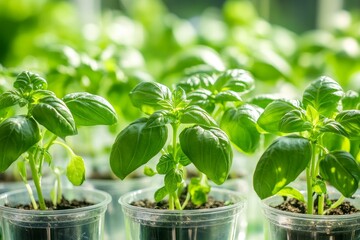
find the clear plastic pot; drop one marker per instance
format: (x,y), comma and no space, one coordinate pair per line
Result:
(283,225)
(70,224)
(225,223)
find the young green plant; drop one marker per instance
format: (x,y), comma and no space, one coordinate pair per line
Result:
(194,138)
(39,119)
(315,136)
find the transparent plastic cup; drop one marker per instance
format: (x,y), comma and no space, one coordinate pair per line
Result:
(281,225)
(70,224)
(225,223)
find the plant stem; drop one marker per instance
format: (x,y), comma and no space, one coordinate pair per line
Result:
(31,195)
(171,202)
(174,196)
(37,181)
(321,201)
(336,204)
(186,201)
(309,191)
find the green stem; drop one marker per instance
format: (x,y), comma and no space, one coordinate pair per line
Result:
(31,195)
(171,202)
(321,201)
(186,201)
(177,203)
(309,191)
(336,204)
(37,181)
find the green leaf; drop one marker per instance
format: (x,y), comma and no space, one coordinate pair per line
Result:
(263,100)
(237,80)
(27,81)
(179,97)
(209,150)
(333,141)
(160,194)
(165,164)
(202,98)
(135,146)
(89,110)
(197,115)
(281,163)
(197,81)
(75,170)
(330,125)
(270,119)
(351,100)
(240,125)
(227,96)
(342,171)
(148,171)
(159,118)
(150,96)
(54,115)
(8,99)
(198,191)
(324,95)
(172,180)
(294,121)
(292,193)
(17,135)
(350,120)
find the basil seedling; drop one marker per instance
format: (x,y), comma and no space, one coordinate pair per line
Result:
(194,139)
(314,139)
(27,136)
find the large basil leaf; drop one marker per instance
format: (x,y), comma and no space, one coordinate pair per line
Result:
(8,99)
(330,125)
(151,96)
(270,119)
(197,115)
(227,96)
(324,95)
(136,145)
(240,125)
(17,135)
(197,81)
(332,141)
(209,150)
(54,115)
(237,80)
(89,110)
(263,100)
(342,171)
(281,163)
(294,121)
(27,82)
(350,120)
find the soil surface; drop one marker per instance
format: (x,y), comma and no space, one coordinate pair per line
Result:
(164,204)
(296,206)
(64,204)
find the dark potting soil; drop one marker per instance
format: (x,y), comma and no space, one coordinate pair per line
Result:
(64,204)
(296,206)
(164,204)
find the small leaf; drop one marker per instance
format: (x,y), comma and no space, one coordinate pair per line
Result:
(17,135)
(350,120)
(150,96)
(319,186)
(28,81)
(294,121)
(240,125)
(237,80)
(198,191)
(8,99)
(148,171)
(330,125)
(197,81)
(160,194)
(351,100)
(227,96)
(270,119)
(178,97)
(165,164)
(292,193)
(202,98)
(342,171)
(90,110)
(209,150)
(54,115)
(172,180)
(281,163)
(197,115)
(135,146)
(75,170)
(324,95)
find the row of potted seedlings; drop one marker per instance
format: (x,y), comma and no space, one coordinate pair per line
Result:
(194,125)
